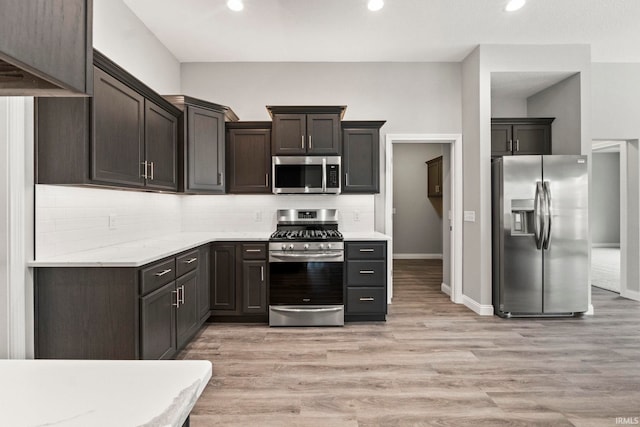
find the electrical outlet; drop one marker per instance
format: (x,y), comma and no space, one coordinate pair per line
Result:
(356,215)
(113,222)
(258,216)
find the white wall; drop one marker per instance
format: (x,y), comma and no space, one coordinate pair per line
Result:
(605,209)
(123,38)
(561,101)
(506,106)
(417,222)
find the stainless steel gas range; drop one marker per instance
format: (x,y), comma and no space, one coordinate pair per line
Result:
(306,257)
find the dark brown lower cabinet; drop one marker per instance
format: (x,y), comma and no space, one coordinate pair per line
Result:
(239,282)
(149,312)
(365,291)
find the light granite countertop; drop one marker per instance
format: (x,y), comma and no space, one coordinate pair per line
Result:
(100,393)
(140,252)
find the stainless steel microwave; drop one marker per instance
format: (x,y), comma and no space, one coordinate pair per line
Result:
(306,174)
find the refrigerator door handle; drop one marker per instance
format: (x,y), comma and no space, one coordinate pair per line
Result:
(547,215)
(537,207)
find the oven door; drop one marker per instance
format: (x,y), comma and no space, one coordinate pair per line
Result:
(306,289)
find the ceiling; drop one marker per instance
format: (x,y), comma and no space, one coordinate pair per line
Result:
(404,30)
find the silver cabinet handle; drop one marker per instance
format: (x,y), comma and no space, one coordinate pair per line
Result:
(309,142)
(510,145)
(302,142)
(181,294)
(517,145)
(266,179)
(191,260)
(163,272)
(367,272)
(262,273)
(253,250)
(177,302)
(146,165)
(367,299)
(346,178)
(306,310)
(366,250)
(152,164)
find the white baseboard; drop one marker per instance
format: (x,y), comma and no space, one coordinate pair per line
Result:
(590,311)
(605,245)
(445,288)
(417,256)
(634,295)
(482,310)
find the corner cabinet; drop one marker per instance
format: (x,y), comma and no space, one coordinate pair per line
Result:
(149,312)
(201,145)
(361,156)
(365,281)
(124,136)
(434,177)
(248,157)
(306,130)
(46,48)
(520,136)
(239,282)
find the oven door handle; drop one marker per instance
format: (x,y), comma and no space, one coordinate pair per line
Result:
(307,310)
(306,255)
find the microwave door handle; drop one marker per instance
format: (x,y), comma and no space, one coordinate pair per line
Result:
(324,174)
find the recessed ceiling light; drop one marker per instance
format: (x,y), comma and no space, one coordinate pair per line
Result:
(514,5)
(375,5)
(235,5)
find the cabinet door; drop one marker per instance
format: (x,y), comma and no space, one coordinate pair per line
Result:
(323,134)
(157,323)
(254,287)
(249,165)
(161,145)
(223,277)
(501,140)
(205,150)
(117,152)
(187,319)
(360,157)
(531,139)
(203,284)
(434,176)
(289,134)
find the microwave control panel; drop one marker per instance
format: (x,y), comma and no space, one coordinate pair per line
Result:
(333,176)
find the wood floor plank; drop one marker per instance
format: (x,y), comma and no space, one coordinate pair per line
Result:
(433,363)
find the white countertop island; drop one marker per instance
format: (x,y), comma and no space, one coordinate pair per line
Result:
(100,393)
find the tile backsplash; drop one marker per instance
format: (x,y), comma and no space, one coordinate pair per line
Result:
(72,219)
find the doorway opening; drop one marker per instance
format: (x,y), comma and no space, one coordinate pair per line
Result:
(451,225)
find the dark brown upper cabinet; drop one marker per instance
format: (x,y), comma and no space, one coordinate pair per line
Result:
(46,48)
(201,144)
(520,136)
(301,130)
(124,136)
(434,177)
(249,157)
(361,156)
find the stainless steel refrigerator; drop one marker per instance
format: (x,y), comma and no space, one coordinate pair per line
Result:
(540,235)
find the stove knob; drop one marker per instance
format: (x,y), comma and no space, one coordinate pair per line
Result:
(291,246)
(284,246)
(328,245)
(321,245)
(306,246)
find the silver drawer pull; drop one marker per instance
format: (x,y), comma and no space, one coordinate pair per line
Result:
(366,250)
(367,299)
(181,294)
(367,272)
(177,294)
(162,273)
(253,250)
(192,260)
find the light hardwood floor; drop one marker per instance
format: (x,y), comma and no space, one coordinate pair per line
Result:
(433,363)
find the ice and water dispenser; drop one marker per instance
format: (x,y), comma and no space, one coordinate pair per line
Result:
(522,217)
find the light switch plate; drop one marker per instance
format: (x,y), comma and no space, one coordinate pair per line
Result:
(113,222)
(470,216)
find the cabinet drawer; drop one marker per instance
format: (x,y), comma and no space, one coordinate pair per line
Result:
(156,275)
(366,300)
(187,262)
(365,250)
(366,273)
(254,251)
